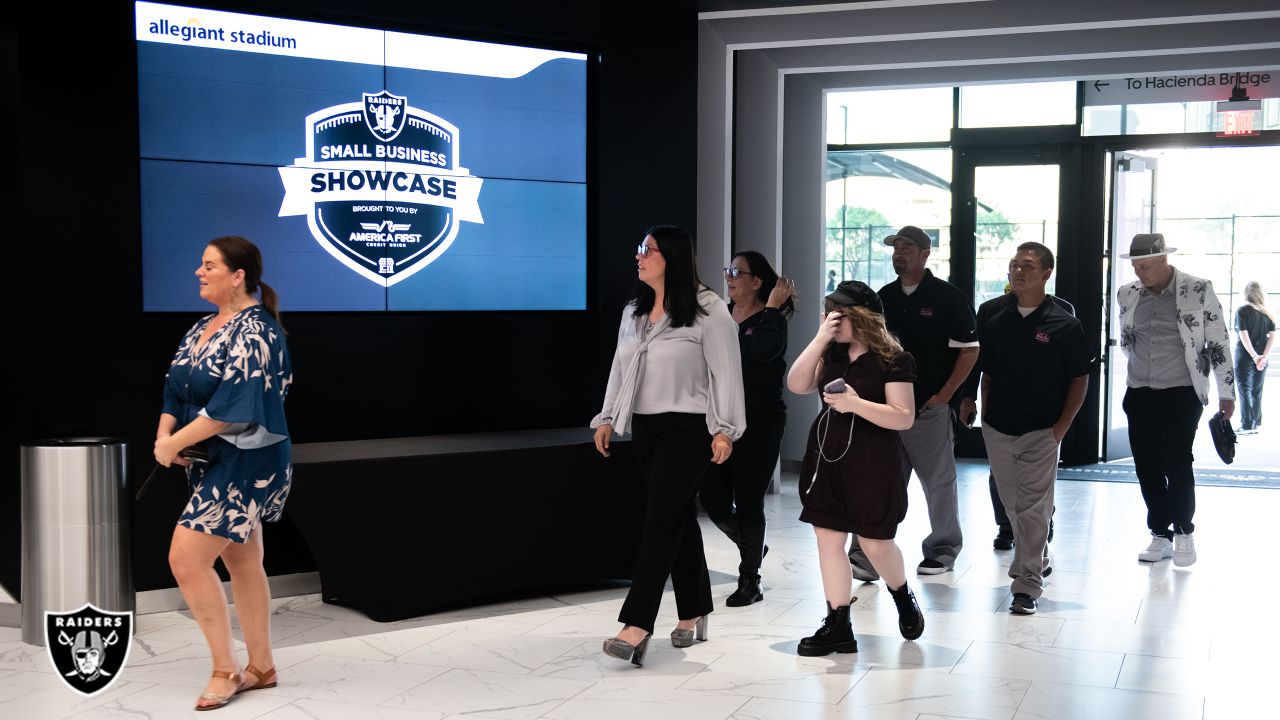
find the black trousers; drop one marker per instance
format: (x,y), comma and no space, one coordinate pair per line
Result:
(673,450)
(1249,381)
(1162,427)
(733,492)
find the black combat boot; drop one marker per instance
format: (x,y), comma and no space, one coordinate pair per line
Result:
(835,635)
(910,619)
(752,550)
(748,591)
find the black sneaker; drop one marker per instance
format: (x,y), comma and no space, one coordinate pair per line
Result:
(1004,538)
(1023,604)
(929,566)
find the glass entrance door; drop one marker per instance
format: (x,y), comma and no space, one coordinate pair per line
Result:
(1013,204)
(1003,198)
(1133,191)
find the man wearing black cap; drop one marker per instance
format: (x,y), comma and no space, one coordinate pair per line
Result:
(934,322)
(1174,334)
(1035,367)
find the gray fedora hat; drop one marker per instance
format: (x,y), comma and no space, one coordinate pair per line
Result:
(1147,245)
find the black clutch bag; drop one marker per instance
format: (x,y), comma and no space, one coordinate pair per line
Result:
(1224,438)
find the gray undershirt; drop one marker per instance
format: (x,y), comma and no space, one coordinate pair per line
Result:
(1157,359)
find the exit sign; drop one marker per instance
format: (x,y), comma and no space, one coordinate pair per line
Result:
(1239,122)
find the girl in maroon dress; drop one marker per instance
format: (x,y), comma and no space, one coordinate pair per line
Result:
(854,476)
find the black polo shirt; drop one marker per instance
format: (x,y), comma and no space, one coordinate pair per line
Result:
(925,322)
(1031,362)
(969,388)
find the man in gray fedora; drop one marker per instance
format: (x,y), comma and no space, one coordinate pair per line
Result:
(1174,334)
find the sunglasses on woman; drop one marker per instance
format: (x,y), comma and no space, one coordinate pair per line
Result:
(734,272)
(643,250)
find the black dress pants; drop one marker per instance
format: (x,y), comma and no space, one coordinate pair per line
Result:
(673,450)
(1249,381)
(1162,427)
(733,492)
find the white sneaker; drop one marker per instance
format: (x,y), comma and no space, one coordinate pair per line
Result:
(1160,549)
(1184,550)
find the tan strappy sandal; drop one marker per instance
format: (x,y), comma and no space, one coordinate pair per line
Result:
(218,700)
(261,675)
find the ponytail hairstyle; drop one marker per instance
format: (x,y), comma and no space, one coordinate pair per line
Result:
(240,254)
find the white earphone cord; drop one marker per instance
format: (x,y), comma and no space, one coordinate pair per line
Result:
(822,440)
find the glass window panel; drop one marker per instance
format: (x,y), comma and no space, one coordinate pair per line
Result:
(1018,104)
(1151,119)
(889,116)
(870,195)
(1016,204)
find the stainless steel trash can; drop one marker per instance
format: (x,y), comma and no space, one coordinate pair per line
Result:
(75,529)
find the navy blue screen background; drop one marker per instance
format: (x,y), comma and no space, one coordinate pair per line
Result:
(216,124)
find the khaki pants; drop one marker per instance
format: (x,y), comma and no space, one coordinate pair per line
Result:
(1025,468)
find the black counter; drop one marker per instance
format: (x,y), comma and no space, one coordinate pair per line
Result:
(402,527)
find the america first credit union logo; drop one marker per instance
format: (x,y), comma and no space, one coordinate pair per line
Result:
(88,647)
(381,187)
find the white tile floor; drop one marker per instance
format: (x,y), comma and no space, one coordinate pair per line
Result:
(1114,639)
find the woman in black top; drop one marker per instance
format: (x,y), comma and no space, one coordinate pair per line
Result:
(733,492)
(1255,330)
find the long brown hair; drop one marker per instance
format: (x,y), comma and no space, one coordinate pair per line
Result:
(868,327)
(1254,296)
(240,254)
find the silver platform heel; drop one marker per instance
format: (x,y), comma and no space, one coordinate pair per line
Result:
(684,638)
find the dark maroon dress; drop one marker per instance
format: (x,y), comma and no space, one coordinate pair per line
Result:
(864,490)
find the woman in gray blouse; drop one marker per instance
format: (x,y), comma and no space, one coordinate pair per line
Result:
(676,386)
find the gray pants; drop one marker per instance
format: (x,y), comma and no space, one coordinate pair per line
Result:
(930,446)
(1025,467)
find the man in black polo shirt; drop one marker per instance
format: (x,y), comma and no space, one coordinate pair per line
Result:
(934,322)
(1035,366)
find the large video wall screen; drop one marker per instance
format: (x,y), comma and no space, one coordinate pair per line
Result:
(377,170)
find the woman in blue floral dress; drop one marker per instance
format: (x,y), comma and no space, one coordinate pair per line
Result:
(224,393)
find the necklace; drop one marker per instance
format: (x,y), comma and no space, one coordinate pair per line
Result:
(821,432)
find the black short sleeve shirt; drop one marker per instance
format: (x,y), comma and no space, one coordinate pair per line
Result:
(926,322)
(1030,362)
(1249,320)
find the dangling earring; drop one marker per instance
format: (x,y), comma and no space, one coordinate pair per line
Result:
(235,304)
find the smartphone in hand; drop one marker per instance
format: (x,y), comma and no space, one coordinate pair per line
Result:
(835,386)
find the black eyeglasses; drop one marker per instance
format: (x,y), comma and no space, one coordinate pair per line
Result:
(734,272)
(643,250)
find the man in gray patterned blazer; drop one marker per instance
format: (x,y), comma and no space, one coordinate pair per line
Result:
(1174,335)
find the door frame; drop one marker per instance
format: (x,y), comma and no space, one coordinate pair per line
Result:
(1080,243)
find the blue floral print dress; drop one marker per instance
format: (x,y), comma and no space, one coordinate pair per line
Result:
(240,376)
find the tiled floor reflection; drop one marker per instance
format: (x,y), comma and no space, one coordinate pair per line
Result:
(1114,639)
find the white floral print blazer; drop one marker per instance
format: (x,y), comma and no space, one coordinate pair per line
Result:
(1205,341)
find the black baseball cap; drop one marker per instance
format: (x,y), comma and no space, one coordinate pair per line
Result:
(855,293)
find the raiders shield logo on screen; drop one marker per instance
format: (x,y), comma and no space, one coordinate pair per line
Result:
(88,647)
(381,186)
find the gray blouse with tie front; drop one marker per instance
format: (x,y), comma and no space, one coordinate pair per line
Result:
(695,369)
